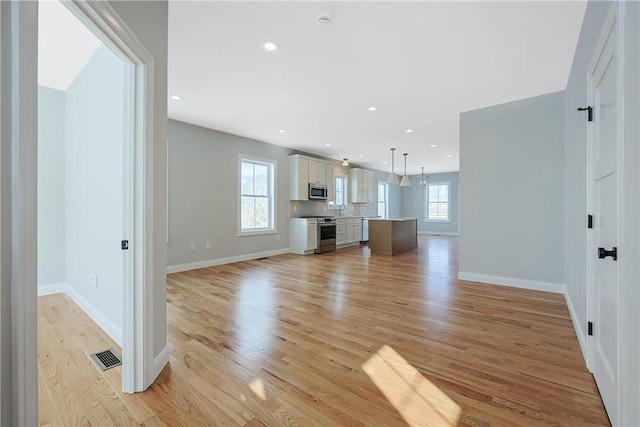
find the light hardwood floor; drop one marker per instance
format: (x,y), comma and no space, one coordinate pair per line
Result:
(342,338)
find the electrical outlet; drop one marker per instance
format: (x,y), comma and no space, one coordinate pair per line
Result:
(193,247)
(208,244)
(94,280)
(277,237)
(295,208)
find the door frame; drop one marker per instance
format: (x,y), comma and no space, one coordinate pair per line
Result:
(20,41)
(613,19)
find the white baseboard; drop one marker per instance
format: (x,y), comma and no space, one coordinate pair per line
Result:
(439,233)
(577,325)
(103,322)
(51,288)
(159,363)
(228,260)
(557,288)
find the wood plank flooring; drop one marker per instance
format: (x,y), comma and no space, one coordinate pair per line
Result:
(342,338)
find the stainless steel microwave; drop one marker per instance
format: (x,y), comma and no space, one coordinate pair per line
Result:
(317,192)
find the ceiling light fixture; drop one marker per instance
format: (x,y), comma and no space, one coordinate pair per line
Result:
(406,182)
(409,130)
(361,155)
(393,178)
(270,46)
(176,98)
(327,145)
(281,131)
(423,181)
(433,145)
(449,155)
(345,162)
(372,108)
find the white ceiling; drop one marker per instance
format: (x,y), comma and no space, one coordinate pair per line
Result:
(419,63)
(65,45)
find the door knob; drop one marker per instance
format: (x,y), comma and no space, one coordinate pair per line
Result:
(603,253)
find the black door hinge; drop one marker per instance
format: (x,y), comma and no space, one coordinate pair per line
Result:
(589,328)
(125,245)
(590,110)
(589,221)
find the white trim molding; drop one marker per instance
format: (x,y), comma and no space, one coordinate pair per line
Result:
(52,288)
(178,268)
(533,285)
(439,233)
(96,315)
(161,361)
(582,338)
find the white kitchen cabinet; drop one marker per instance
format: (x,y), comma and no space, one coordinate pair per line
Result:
(331,184)
(317,172)
(341,231)
(362,186)
(298,177)
(354,230)
(303,235)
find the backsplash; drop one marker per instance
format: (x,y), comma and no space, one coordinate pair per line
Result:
(318,208)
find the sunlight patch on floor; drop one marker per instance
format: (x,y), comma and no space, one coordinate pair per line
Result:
(417,399)
(257,387)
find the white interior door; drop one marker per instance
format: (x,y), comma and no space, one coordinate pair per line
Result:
(604,97)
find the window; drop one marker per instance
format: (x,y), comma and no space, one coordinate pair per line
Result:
(341,194)
(437,205)
(383,196)
(257,196)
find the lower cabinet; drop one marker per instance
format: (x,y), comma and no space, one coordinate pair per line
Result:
(348,231)
(303,235)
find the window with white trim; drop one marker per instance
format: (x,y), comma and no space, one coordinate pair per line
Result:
(437,202)
(383,196)
(257,195)
(341,190)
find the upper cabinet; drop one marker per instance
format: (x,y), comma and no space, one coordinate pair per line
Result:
(362,186)
(304,170)
(317,171)
(298,178)
(331,184)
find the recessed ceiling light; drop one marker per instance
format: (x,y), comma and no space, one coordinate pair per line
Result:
(327,145)
(372,108)
(384,163)
(270,46)
(361,155)
(449,155)
(176,98)
(409,130)
(281,131)
(433,145)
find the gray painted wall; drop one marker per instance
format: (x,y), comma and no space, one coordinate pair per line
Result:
(203,187)
(511,188)
(51,182)
(94,184)
(413,204)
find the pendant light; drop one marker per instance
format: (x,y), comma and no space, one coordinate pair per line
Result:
(406,182)
(345,162)
(423,181)
(393,178)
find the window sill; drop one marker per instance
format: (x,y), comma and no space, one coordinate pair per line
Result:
(256,233)
(438,221)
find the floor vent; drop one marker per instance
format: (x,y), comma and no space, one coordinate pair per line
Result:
(107,359)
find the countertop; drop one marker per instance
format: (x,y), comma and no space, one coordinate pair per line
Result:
(393,219)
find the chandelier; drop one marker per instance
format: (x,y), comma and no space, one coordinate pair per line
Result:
(423,181)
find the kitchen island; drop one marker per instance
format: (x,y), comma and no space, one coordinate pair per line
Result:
(392,236)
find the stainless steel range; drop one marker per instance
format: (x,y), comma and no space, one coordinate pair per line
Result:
(326,235)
